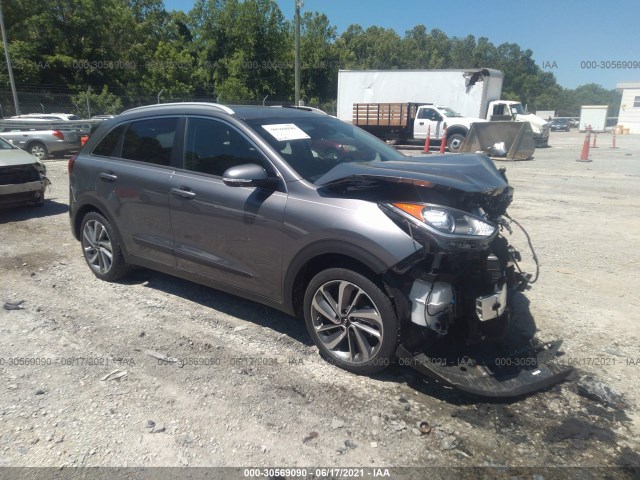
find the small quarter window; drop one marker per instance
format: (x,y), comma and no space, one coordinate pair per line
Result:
(108,144)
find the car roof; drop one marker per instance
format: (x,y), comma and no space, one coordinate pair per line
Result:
(245,112)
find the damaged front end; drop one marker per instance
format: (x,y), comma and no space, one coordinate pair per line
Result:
(456,291)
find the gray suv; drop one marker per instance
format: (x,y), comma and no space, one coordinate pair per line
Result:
(383,255)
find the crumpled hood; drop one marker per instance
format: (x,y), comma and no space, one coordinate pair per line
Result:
(472,173)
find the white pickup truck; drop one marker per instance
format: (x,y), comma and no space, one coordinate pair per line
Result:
(512,110)
(474,92)
(412,121)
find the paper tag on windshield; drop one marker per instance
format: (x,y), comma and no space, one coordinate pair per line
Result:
(286,131)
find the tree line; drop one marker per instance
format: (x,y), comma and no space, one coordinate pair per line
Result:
(238,51)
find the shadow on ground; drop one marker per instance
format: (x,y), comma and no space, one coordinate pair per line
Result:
(20,214)
(521,330)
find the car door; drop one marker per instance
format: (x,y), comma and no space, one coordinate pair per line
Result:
(231,235)
(428,120)
(133,180)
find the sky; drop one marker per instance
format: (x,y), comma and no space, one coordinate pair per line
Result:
(568,37)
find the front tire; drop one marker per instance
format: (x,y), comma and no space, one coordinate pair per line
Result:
(351,321)
(101,248)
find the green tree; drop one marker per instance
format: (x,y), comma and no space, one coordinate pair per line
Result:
(246,42)
(91,103)
(373,48)
(320,58)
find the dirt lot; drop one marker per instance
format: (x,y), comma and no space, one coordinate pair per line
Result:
(262,396)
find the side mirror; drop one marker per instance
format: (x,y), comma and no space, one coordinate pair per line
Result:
(248,175)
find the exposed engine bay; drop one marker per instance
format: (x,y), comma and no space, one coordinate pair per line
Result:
(458,285)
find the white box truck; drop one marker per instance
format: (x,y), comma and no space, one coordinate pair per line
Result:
(474,93)
(594,117)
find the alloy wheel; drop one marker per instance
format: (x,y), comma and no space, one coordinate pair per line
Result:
(97,246)
(347,322)
(38,151)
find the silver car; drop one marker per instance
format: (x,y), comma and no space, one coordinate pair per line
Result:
(22,177)
(40,140)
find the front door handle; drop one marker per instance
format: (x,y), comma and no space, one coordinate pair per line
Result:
(108,177)
(183,192)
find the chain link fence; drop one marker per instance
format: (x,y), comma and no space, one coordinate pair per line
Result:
(61,100)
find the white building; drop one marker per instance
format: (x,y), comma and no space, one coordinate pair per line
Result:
(629,116)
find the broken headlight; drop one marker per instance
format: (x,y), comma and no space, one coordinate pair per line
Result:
(445,221)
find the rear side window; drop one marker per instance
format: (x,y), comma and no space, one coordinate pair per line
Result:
(213,146)
(107,145)
(150,141)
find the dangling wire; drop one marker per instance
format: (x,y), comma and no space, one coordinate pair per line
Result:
(533,252)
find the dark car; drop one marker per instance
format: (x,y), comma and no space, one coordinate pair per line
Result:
(560,124)
(382,254)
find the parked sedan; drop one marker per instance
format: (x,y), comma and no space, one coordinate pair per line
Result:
(560,124)
(22,177)
(53,117)
(41,141)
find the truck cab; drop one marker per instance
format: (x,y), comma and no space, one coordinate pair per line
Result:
(512,110)
(435,118)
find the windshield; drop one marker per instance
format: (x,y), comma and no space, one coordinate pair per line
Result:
(450,113)
(4,145)
(516,109)
(313,145)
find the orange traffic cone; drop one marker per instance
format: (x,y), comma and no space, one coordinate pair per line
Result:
(427,141)
(595,139)
(443,144)
(614,139)
(585,148)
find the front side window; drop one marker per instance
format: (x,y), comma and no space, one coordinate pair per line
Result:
(150,141)
(4,145)
(449,112)
(212,147)
(498,109)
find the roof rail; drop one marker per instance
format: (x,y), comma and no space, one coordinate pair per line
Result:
(301,107)
(217,106)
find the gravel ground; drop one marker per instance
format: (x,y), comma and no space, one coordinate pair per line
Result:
(259,394)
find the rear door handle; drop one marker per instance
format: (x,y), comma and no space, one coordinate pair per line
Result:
(183,192)
(421,123)
(108,177)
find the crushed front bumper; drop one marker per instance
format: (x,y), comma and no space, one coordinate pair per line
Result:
(506,376)
(20,193)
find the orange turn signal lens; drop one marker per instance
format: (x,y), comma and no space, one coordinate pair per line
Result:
(413,209)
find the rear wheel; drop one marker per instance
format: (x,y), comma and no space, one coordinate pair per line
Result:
(101,248)
(454,142)
(38,149)
(351,320)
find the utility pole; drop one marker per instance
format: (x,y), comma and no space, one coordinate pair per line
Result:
(6,54)
(299,4)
